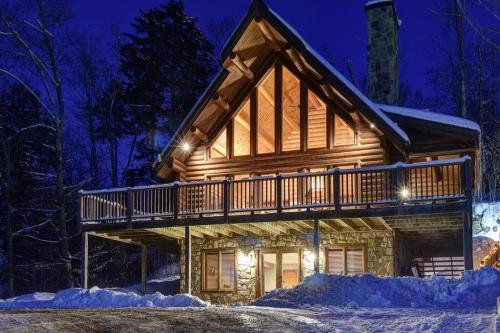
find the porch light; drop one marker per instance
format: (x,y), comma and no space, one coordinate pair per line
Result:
(186,147)
(372,125)
(404,193)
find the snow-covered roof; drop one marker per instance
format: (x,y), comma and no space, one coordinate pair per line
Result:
(428,115)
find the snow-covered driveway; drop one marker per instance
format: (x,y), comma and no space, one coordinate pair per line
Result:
(248,319)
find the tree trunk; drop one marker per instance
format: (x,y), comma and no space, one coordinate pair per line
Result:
(59,115)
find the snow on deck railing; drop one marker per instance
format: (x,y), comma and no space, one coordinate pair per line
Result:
(388,185)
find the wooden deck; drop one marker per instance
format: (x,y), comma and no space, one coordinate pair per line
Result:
(390,190)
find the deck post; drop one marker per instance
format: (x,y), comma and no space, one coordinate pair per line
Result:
(144,268)
(187,260)
(225,197)
(84,271)
(336,188)
(467,215)
(129,208)
(316,243)
(279,194)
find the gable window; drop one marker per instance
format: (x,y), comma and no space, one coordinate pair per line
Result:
(348,260)
(344,134)
(290,131)
(218,148)
(218,270)
(265,115)
(241,131)
(316,122)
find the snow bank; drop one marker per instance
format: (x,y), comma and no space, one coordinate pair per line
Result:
(474,289)
(98,298)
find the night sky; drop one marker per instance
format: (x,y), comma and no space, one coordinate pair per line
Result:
(341,25)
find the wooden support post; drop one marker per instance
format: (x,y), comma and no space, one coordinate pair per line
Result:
(129,208)
(336,188)
(84,271)
(279,194)
(187,260)
(175,200)
(467,215)
(316,245)
(225,198)
(144,268)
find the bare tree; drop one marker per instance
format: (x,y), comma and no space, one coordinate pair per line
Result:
(35,40)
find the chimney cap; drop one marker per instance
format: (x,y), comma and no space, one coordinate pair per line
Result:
(381,3)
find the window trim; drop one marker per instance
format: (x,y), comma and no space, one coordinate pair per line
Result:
(203,270)
(345,247)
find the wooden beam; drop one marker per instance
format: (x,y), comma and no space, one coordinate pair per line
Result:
(238,63)
(297,61)
(205,231)
(187,260)
(84,272)
(344,223)
(366,224)
(328,227)
(268,34)
(144,268)
(383,222)
(251,228)
(316,241)
(115,238)
(176,165)
(294,226)
(199,134)
(221,102)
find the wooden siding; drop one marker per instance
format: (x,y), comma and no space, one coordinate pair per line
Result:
(368,152)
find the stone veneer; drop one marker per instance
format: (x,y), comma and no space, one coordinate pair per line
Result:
(379,258)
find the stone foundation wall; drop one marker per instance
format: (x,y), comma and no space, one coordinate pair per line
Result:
(379,258)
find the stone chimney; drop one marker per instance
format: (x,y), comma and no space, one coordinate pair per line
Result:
(383,25)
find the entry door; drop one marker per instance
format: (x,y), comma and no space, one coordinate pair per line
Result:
(279,270)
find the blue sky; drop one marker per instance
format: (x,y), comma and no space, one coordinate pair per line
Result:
(338,25)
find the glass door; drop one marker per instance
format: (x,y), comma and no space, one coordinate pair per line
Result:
(278,269)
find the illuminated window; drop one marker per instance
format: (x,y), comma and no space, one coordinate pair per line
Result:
(291,112)
(219,270)
(344,134)
(265,115)
(241,131)
(316,122)
(218,148)
(345,260)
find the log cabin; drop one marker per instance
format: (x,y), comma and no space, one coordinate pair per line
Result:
(284,168)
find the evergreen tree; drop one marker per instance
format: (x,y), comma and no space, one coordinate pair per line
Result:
(167,62)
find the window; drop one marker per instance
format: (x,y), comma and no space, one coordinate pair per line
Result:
(265,115)
(218,148)
(291,112)
(345,260)
(344,134)
(316,121)
(241,131)
(219,270)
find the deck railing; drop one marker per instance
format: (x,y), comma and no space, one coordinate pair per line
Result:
(384,186)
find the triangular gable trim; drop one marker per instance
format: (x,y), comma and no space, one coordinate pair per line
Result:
(259,9)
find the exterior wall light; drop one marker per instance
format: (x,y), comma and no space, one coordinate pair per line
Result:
(372,125)
(186,147)
(404,193)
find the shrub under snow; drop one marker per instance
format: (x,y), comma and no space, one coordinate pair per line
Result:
(474,289)
(98,298)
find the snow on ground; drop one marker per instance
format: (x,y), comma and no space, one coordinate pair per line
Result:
(475,289)
(166,285)
(98,298)
(333,319)
(487,220)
